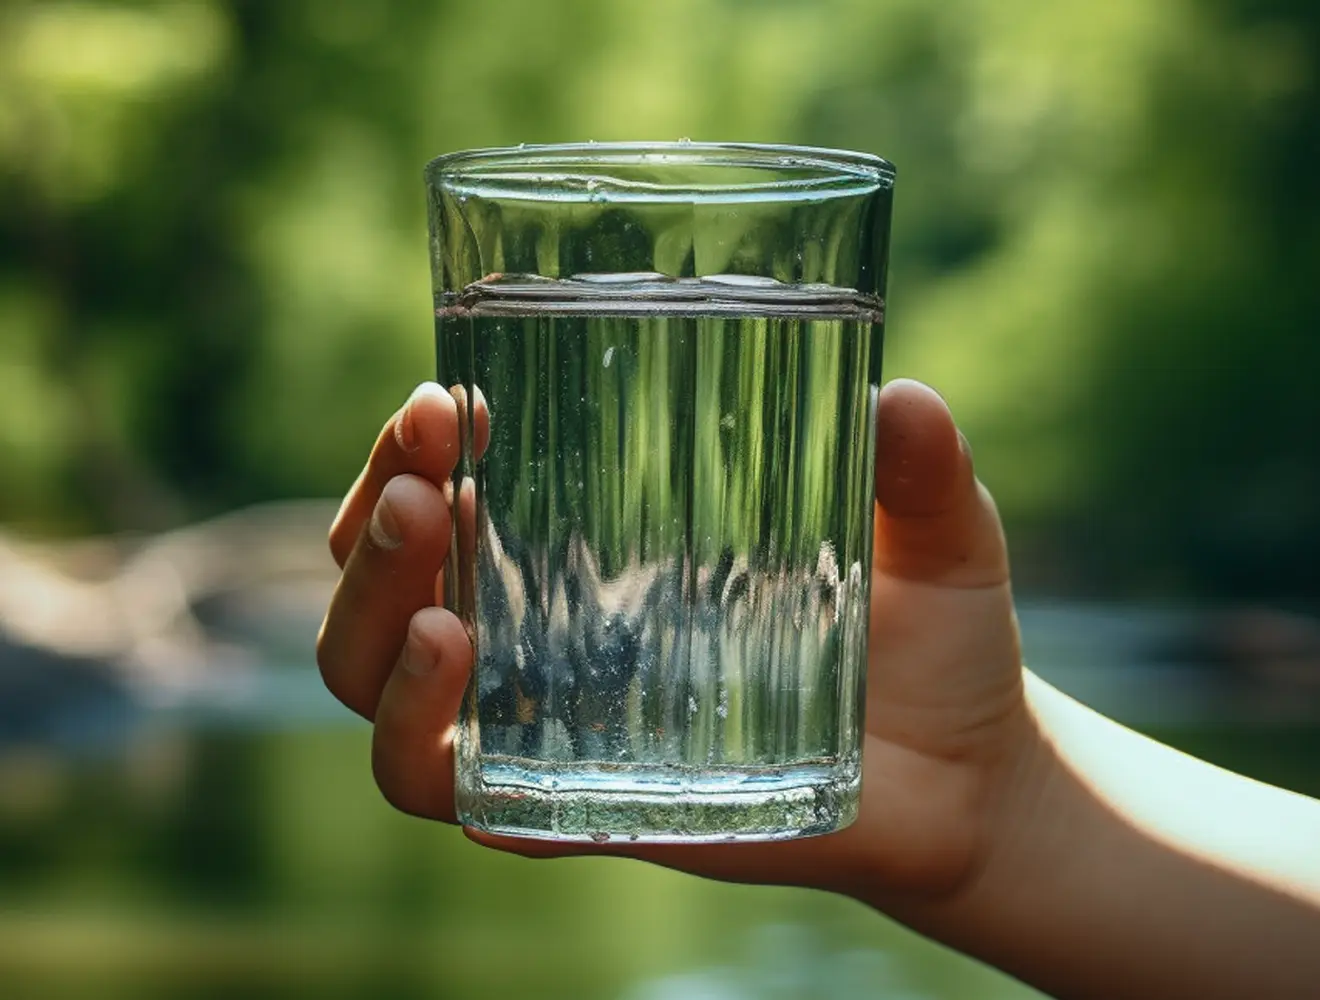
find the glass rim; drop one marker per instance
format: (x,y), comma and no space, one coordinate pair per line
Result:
(582,171)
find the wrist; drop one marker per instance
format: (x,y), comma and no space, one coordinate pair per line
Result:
(1015,793)
(1107,872)
(1038,805)
(1028,806)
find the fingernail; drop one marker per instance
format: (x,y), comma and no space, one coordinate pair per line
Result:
(405,428)
(383,528)
(415,660)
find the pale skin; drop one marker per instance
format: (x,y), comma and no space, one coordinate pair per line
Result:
(998,816)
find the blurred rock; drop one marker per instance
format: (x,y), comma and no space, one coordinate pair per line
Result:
(92,631)
(1271,647)
(221,617)
(1161,667)
(69,701)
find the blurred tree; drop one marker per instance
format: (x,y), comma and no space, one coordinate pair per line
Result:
(213,282)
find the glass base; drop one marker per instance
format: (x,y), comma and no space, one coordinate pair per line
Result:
(639,803)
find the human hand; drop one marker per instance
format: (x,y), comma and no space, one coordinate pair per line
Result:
(948,732)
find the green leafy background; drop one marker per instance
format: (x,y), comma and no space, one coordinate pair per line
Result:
(213,277)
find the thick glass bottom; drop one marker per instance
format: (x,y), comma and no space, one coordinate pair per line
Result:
(638,803)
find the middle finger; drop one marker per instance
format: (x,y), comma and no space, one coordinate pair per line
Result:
(390,575)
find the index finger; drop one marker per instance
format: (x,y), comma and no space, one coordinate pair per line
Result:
(422,439)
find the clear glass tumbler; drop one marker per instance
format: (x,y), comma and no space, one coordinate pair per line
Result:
(666,359)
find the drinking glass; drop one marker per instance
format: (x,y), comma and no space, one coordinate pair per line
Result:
(665,358)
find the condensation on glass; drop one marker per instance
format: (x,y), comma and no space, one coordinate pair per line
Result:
(665,359)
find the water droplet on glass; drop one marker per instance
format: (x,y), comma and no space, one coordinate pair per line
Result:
(609,356)
(600,837)
(692,705)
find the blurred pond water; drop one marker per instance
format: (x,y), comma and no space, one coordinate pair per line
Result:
(220,835)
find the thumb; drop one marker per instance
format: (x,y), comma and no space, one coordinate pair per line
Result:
(934,523)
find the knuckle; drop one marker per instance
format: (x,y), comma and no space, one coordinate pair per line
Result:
(407,782)
(339,546)
(385,772)
(323,658)
(332,673)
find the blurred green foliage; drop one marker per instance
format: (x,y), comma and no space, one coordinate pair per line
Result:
(214,287)
(266,865)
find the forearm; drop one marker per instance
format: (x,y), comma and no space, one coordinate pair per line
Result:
(1122,868)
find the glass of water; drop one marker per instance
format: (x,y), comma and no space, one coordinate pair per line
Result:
(666,359)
